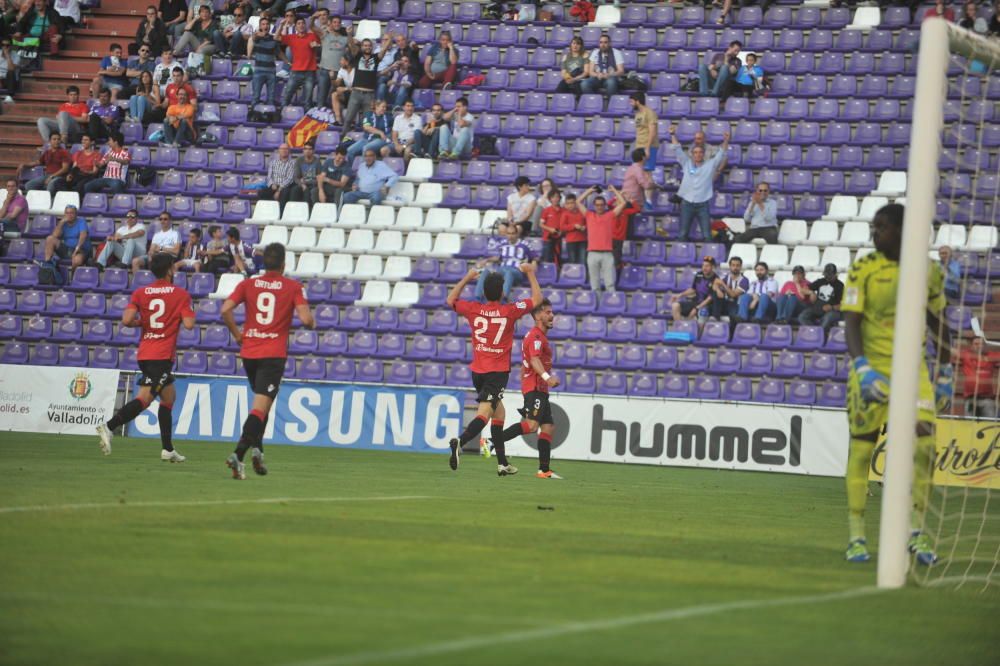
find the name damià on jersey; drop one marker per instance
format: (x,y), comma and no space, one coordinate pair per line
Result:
(265,284)
(159,290)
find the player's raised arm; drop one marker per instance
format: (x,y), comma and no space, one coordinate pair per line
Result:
(528,268)
(456,291)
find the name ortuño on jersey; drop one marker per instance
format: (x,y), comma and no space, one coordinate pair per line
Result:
(161,306)
(492,332)
(270,301)
(535,345)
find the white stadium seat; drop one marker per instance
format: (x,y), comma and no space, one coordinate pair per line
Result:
(781,277)
(323,215)
(467,221)
(866,18)
(982,237)
(352,215)
(775,256)
(745,251)
(310,265)
(492,218)
(419,169)
(736,224)
(891,184)
(870,206)
(330,240)
(409,217)
(793,232)
(607,16)
(368,267)
(951,234)
(806,256)
(438,219)
(396,268)
(368,29)
(418,244)
(446,245)
(428,195)
(227,282)
(868,250)
(838,256)
(273,234)
(404,294)
(339,266)
(376,293)
(302,239)
(39,201)
(381,217)
(823,232)
(400,194)
(60,201)
(296,213)
(265,212)
(389,242)
(855,234)
(842,208)
(360,241)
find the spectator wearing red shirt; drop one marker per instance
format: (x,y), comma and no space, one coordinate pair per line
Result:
(620,233)
(56,161)
(552,228)
(600,224)
(638,184)
(794,296)
(169,97)
(574,231)
(940,9)
(85,167)
(303,45)
(70,118)
(980,369)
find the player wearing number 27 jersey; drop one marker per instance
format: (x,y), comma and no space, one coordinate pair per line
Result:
(271,301)
(492,339)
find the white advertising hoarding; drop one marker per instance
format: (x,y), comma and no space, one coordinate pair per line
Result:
(55,399)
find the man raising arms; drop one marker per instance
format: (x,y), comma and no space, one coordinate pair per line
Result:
(492,339)
(271,301)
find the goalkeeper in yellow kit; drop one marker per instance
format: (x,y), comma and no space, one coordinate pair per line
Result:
(869,308)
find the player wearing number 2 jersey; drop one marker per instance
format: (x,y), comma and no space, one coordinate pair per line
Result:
(271,301)
(159,309)
(492,339)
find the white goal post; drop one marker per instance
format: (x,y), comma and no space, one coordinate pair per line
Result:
(938,41)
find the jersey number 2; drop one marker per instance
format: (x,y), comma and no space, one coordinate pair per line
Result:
(157,307)
(482,323)
(265,308)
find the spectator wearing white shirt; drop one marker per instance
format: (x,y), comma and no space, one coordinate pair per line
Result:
(166,239)
(760,299)
(605,68)
(127,243)
(342,88)
(521,205)
(405,128)
(455,139)
(761,217)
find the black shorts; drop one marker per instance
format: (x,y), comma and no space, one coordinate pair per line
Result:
(490,386)
(157,375)
(537,407)
(264,375)
(687,305)
(65,252)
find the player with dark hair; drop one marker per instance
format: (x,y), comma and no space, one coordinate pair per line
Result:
(536,380)
(160,309)
(869,313)
(492,325)
(271,301)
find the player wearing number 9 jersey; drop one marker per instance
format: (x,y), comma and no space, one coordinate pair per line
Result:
(271,301)
(159,309)
(492,339)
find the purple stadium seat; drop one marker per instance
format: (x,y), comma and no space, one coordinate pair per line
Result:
(341,370)
(693,360)
(770,391)
(801,393)
(601,356)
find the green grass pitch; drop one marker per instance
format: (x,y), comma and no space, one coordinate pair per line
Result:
(144,562)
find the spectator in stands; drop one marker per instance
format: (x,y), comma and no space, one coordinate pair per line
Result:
(14,210)
(794,296)
(135,68)
(372,182)
(115,164)
(824,304)
(622,219)
(280,177)
(8,17)
(697,188)
(342,88)
(307,168)
(759,299)
(606,67)
(263,47)
(749,80)
(696,300)
(574,68)
(647,137)
(952,272)
(541,199)
(10,66)
(166,239)
(761,217)
(240,255)
(104,116)
(284,25)
(69,240)
(521,205)
(201,34)
(971,20)
(56,161)
(405,130)
(68,13)
(111,75)
(994,24)
(399,84)
(637,184)
(455,140)
(71,116)
(942,10)
(728,289)
(145,97)
(41,22)
(303,45)
(440,63)
(718,68)
(178,126)
(980,370)
(551,222)
(429,139)
(128,242)
(334,177)
(365,63)
(151,32)
(157,114)
(86,167)
(699,142)
(190,256)
(174,14)
(214,257)
(164,71)
(508,257)
(600,225)
(237,34)
(333,38)
(574,226)
(377,126)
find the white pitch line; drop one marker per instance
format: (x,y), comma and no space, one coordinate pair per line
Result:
(565,629)
(220,502)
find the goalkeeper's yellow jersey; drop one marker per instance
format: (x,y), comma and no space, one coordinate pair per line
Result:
(871,292)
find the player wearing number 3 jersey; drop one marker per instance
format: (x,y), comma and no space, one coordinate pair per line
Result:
(271,301)
(159,309)
(492,339)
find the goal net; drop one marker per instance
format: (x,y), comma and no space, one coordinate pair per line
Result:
(952,211)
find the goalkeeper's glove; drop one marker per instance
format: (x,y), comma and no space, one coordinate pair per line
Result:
(874,385)
(944,387)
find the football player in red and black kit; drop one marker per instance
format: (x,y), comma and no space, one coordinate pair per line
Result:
(159,309)
(536,380)
(492,339)
(271,301)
